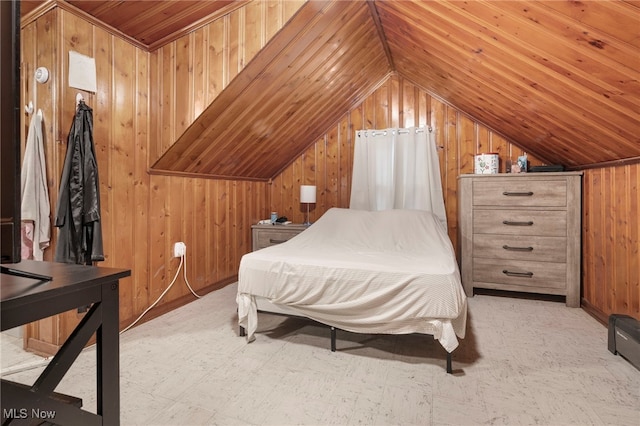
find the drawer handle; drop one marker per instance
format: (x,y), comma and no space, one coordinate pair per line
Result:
(506,247)
(512,223)
(272,241)
(517,274)
(517,194)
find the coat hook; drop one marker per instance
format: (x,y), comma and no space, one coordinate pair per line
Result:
(79,98)
(29,108)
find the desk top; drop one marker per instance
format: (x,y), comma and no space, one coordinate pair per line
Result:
(65,278)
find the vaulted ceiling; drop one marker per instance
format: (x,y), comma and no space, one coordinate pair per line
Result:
(558,78)
(147,23)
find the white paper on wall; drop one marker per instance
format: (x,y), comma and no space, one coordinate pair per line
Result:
(82,72)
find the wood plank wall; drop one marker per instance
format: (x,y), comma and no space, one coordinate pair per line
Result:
(611,241)
(142,103)
(396,103)
(213,217)
(190,72)
(145,99)
(121,117)
(39,46)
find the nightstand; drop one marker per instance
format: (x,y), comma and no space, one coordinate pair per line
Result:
(268,235)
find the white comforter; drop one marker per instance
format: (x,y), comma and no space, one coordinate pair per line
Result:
(389,272)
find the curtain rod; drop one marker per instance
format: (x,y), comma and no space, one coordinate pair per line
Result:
(403,131)
(400,131)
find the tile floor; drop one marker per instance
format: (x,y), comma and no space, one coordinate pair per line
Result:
(522,362)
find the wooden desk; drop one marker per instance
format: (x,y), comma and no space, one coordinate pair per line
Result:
(23,300)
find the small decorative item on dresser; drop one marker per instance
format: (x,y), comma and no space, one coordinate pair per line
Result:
(522,163)
(547,168)
(487,163)
(274,217)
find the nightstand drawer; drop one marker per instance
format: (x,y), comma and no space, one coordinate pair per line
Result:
(520,273)
(270,235)
(531,248)
(270,238)
(520,222)
(520,193)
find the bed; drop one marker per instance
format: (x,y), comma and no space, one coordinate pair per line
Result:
(391,272)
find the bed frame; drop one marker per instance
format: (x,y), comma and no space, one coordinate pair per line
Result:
(333,330)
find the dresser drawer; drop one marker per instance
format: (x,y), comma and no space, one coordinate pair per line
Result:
(520,273)
(531,248)
(520,222)
(520,193)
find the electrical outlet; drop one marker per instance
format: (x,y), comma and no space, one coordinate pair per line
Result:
(179,249)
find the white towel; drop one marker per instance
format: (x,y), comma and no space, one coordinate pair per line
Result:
(35,194)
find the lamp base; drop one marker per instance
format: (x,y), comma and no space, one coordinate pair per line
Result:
(306,219)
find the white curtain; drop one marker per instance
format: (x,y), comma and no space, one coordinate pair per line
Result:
(397,169)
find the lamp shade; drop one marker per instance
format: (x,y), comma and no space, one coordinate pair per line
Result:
(307,193)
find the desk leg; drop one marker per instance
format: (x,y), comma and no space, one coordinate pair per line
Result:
(108,357)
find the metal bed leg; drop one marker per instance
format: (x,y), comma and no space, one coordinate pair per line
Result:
(333,348)
(241,330)
(333,339)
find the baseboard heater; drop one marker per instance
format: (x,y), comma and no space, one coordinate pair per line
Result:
(624,338)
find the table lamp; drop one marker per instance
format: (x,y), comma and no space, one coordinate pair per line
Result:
(307,196)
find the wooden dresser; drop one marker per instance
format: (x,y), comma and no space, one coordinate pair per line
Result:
(521,232)
(268,235)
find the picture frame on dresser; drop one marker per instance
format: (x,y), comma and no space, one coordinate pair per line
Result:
(521,233)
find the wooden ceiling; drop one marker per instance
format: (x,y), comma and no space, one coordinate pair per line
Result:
(147,23)
(310,74)
(153,22)
(558,78)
